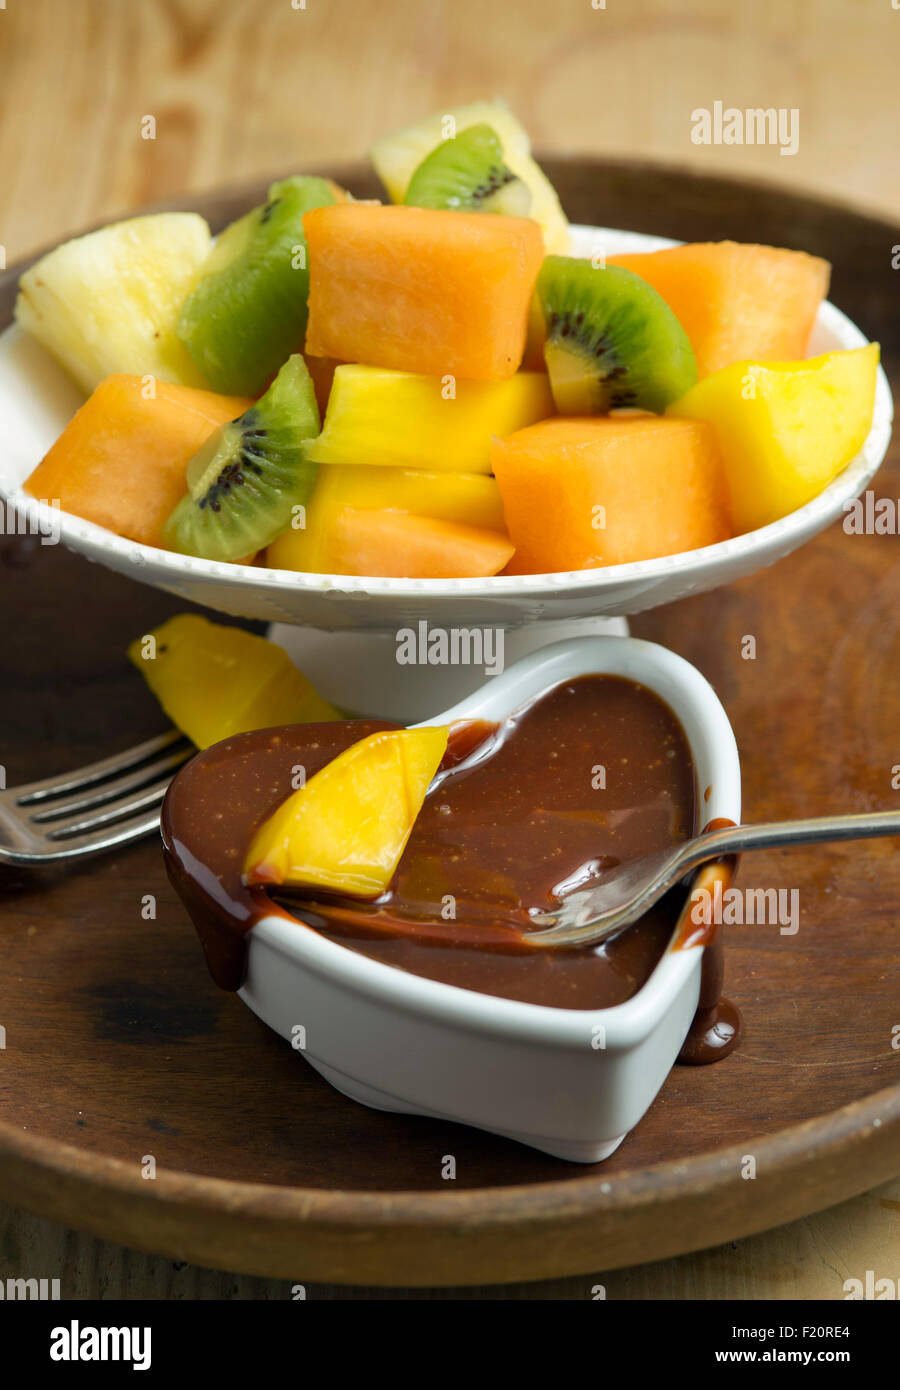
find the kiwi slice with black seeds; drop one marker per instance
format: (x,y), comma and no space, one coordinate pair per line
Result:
(468,173)
(611,341)
(247,313)
(246,480)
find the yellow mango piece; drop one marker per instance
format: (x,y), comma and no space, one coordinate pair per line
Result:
(214,681)
(469,499)
(407,420)
(346,829)
(785,429)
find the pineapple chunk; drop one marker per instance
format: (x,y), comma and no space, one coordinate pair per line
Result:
(396,157)
(347,828)
(469,499)
(109,302)
(785,429)
(214,681)
(405,420)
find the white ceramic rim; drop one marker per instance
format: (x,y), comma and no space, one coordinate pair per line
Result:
(82,535)
(716,764)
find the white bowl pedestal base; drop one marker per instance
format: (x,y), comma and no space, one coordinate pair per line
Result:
(359,673)
(573,1150)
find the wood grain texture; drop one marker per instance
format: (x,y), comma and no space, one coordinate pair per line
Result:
(249,87)
(117,1043)
(808,1259)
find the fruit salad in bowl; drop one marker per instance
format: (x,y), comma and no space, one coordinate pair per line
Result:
(450,405)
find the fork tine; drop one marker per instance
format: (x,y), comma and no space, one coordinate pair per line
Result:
(81,846)
(85,826)
(57,809)
(48,787)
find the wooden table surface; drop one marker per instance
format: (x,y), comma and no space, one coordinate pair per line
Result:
(242,89)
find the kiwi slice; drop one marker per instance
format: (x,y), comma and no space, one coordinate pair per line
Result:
(612,341)
(469,174)
(247,312)
(246,479)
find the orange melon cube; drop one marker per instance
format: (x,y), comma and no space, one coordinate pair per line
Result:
(121,460)
(402,545)
(582,493)
(737,301)
(420,290)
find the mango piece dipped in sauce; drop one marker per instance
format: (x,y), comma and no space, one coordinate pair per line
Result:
(346,829)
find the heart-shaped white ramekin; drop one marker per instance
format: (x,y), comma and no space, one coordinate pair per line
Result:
(400,1042)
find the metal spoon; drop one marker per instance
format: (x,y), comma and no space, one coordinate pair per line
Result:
(626,892)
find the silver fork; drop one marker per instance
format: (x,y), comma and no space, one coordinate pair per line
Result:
(91,809)
(624,893)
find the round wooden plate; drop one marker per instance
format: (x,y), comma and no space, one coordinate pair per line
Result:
(119,1049)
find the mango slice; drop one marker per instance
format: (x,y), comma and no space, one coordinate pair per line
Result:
(785,429)
(469,499)
(409,420)
(214,681)
(347,828)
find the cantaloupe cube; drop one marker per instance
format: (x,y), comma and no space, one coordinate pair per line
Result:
(470,499)
(736,300)
(401,545)
(581,493)
(444,293)
(121,460)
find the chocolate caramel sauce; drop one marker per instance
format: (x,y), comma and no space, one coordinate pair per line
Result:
(595,771)
(717,1026)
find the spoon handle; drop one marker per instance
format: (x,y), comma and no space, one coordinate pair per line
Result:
(589,916)
(779,834)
